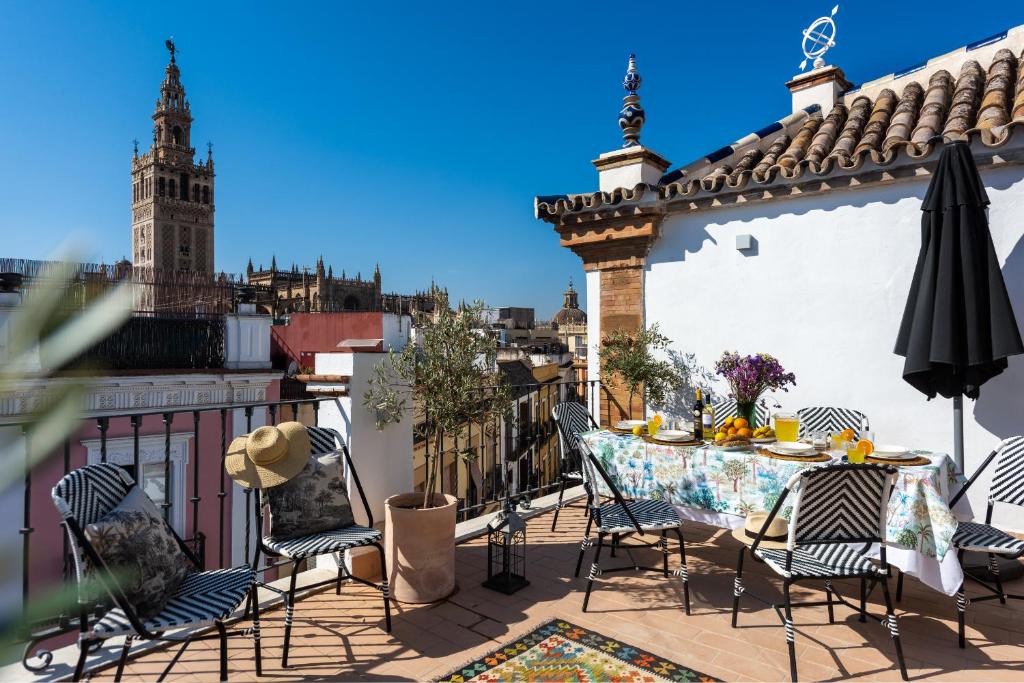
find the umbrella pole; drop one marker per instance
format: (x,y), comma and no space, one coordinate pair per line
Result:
(958,431)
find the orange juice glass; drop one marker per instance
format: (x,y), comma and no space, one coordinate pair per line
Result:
(787,426)
(652,426)
(854,454)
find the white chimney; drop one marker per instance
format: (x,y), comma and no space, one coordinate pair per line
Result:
(821,86)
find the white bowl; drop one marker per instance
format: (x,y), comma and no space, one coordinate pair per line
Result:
(791,447)
(674,435)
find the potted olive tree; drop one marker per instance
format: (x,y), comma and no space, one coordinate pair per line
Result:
(447,376)
(628,358)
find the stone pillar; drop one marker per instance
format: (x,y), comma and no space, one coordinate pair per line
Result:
(616,249)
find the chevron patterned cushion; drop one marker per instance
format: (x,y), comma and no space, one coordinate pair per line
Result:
(819,561)
(200,600)
(828,419)
(652,515)
(324,542)
(986,539)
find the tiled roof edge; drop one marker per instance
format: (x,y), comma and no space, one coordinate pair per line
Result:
(804,169)
(729,150)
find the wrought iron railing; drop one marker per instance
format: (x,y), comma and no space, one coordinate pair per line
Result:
(44,543)
(165,341)
(517,458)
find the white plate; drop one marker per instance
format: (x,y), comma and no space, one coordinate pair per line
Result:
(792,448)
(774,448)
(895,457)
(629,424)
(887,450)
(674,435)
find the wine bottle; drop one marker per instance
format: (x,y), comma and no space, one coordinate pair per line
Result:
(708,418)
(698,418)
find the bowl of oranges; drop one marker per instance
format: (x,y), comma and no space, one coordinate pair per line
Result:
(734,432)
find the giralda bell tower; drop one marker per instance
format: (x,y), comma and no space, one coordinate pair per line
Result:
(172,195)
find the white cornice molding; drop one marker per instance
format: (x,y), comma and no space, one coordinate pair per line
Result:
(123,394)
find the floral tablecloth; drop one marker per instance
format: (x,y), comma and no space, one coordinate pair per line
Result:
(735,483)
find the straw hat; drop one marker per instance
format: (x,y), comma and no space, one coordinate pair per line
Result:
(775,535)
(269,456)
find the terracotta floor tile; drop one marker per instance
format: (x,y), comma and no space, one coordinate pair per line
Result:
(339,637)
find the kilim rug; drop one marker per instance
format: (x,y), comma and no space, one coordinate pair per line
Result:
(560,651)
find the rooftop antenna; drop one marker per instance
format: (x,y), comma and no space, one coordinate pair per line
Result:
(819,38)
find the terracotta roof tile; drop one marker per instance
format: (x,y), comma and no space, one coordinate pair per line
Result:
(1018,99)
(860,110)
(824,140)
(936,104)
(965,101)
(995,102)
(877,123)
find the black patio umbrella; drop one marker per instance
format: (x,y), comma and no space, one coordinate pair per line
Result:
(958,328)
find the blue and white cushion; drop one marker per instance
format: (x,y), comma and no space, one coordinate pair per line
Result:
(984,538)
(819,561)
(653,515)
(200,600)
(324,542)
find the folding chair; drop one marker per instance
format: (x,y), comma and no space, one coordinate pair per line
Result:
(571,420)
(833,506)
(620,519)
(335,542)
(1007,487)
(205,598)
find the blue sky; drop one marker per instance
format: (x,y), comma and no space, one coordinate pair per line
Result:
(410,134)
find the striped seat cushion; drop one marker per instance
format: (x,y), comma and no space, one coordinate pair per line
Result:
(653,515)
(819,561)
(324,542)
(200,600)
(986,539)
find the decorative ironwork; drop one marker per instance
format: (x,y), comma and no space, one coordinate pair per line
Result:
(819,38)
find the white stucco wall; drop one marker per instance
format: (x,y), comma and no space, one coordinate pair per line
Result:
(824,289)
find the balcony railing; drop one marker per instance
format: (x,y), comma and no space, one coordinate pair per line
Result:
(527,446)
(193,493)
(177,457)
(160,342)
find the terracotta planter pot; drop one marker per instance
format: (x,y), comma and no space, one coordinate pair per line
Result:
(420,547)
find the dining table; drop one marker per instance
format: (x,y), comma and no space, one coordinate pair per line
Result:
(720,486)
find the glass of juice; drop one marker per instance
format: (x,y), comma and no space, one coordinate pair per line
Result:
(854,454)
(787,426)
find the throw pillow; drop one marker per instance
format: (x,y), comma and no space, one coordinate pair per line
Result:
(139,548)
(314,501)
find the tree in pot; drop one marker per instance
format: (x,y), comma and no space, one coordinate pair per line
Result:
(628,358)
(448,375)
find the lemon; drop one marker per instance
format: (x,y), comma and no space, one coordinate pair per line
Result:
(637,430)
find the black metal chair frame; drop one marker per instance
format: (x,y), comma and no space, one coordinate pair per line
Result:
(564,473)
(594,504)
(833,597)
(996,592)
(343,573)
(88,645)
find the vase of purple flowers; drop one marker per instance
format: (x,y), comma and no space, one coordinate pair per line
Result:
(751,376)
